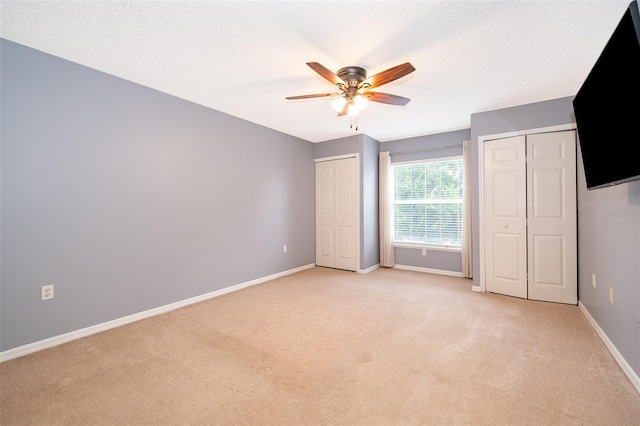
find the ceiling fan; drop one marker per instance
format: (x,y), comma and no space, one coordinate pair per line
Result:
(355,87)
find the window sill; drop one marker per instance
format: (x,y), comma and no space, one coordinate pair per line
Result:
(428,247)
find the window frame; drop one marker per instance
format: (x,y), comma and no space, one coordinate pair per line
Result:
(418,244)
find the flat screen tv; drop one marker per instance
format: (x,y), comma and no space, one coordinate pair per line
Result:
(607,108)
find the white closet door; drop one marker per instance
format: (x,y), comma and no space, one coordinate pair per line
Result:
(325,214)
(505,217)
(551,212)
(337,214)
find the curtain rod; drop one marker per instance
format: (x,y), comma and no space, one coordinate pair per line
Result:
(427,149)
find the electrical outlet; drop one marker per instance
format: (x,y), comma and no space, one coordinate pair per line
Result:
(593,280)
(284,249)
(47,292)
(611,295)
(424,252)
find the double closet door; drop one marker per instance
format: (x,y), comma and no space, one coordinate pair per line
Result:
(337,213)
(530,223)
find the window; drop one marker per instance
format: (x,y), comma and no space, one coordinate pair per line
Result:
(427,206)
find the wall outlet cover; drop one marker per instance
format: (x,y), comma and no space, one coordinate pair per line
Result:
(47,292)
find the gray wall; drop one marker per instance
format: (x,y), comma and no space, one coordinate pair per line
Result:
(127,199)
(340,146)
(422,148)
(609,247)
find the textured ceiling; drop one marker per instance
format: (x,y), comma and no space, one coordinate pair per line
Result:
(244,58)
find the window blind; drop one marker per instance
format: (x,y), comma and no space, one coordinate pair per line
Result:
(428,202)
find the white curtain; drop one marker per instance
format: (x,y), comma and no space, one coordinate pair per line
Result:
(387,256)
(467,261)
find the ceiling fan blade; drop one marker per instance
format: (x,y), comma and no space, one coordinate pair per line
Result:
(388,76)
(318,95)
(326,73)
(386,98)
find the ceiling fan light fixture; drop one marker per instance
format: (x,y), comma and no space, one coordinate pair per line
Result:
(360,102)
(338,103)
(353,110)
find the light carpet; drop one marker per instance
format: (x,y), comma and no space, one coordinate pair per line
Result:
(329,347)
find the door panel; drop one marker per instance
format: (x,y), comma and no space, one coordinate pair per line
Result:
(506,249)
(347,217)
(547,193)
(344,243)
(505,195)
(552,230)
(505,217)
(326,202)
(344,198)
(325,214)
(548,259)
(326,242)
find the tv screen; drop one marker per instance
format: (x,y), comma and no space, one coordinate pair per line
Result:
(607,108)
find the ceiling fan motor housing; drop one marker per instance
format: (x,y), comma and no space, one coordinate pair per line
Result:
(352,75)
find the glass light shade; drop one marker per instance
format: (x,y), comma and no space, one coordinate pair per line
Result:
(361,102)
(338,103)
(353,110)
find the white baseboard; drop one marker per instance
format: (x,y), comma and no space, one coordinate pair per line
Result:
(428,270)
(626,368)
(369,269)
(83,332)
